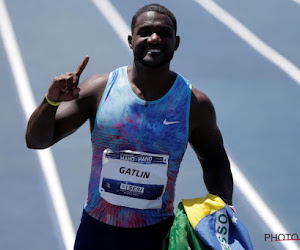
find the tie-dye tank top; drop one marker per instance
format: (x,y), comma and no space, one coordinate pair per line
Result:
(126,122)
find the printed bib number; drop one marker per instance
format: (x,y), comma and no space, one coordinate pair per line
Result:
(133,179)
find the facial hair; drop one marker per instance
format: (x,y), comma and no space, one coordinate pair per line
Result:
(155,62)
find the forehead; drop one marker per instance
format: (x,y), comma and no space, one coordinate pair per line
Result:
(153,18)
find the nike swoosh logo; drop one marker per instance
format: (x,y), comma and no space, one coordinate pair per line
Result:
(170,123)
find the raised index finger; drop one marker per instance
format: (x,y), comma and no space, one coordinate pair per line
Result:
(81,67)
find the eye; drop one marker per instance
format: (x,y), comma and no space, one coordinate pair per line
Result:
(165,33)
(144,32)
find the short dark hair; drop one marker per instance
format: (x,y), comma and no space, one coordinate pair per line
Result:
(157,8)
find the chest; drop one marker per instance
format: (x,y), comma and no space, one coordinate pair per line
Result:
(124,121)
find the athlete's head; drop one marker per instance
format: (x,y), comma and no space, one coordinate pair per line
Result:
(157,8)
(153,40)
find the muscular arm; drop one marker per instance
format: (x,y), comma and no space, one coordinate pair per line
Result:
(49,124)
(206,140)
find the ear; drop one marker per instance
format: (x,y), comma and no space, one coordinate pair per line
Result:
(177,42)
(130,41)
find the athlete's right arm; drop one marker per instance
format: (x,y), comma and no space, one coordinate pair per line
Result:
(49,124)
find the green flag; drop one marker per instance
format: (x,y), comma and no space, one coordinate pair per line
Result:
(181,235)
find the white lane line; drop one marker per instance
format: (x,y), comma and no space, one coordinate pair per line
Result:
(250,38)
(260,207)
(242,183)
(296,1)
(122,29)
(114,19)
(28,105)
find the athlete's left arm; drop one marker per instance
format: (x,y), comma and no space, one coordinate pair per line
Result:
(206,140)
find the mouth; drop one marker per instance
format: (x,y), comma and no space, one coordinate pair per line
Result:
(154,50)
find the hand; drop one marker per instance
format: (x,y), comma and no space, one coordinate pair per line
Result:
(64,87)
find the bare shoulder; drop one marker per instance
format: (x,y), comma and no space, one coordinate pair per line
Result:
(85,106)
(92,88)
(199,98)
(202,112)
(93,85)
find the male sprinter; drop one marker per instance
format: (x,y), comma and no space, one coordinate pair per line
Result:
(141,117)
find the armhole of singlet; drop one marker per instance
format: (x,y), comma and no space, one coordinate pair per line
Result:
(188,107)
(110,81)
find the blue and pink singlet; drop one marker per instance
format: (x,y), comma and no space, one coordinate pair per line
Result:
(138,146)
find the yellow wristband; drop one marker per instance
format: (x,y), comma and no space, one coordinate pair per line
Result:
(51,102)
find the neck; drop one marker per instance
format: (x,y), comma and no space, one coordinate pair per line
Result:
(150,83)
(149,77)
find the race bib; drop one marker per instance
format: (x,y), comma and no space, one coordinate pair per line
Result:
(133,179)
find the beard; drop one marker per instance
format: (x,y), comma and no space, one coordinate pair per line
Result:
(153,60)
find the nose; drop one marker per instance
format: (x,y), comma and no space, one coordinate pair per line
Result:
(154,38)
